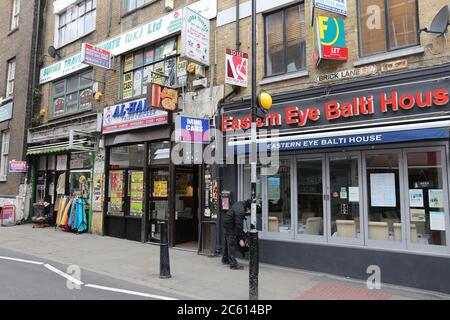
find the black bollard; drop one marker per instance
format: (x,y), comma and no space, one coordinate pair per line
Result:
(254,265)
(164,262)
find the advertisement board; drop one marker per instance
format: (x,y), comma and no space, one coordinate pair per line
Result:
(236,72)
(95,56)
(18,166)
(195,37)
(329,37)
(195,130)
(336,6)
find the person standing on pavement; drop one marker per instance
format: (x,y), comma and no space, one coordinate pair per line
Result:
(233,224)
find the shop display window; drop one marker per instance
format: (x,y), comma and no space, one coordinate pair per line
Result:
(159,153)
(80,183)
(127,156)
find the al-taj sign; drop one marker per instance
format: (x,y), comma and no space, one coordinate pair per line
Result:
(336,6)
(132,115)
(194,130)
(236,72)
(330,39)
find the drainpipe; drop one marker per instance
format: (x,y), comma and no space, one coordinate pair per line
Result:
(238,18)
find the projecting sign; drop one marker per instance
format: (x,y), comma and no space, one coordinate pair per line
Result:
(132,115)
(95,56)
(336,6)
(193,130)
(195,37)
(18,166)
(236,72)
(330,39)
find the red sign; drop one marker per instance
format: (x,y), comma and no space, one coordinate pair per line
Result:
(8,215)
(334,53)
(236,68)
(18,166)
(95,56)
(162,97)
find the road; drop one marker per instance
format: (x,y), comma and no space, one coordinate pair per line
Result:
(24,277)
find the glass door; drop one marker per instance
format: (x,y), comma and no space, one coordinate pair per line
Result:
(344,194)
(310,190)
(159,201)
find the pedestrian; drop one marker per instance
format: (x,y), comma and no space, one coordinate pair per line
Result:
(233,222)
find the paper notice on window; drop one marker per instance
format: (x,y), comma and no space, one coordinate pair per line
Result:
(353,194)
(382,190)
(343,193)
(437,220)
(416,198)
(417,215)
(436,198)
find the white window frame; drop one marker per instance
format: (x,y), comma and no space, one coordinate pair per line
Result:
(4,155)
(58,19)
(11,78)
(15,14)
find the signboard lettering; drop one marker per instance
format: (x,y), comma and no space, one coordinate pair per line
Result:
(336,6)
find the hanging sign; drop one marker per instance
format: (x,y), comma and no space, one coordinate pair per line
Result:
(336,6)
(193,130)
(18,166)
(330,39)
(236,68)
(162,97)
(95,56)
(195,37)
(132,115)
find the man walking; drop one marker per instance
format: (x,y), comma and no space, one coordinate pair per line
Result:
(234,231)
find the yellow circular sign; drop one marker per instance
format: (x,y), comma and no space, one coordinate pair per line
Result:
(265,101)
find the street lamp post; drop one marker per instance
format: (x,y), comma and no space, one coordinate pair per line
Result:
(254,246)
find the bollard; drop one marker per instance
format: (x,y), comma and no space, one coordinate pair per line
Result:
(164,262)
(254,265)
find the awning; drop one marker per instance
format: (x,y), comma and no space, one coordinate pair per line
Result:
(356,137)
(61,147)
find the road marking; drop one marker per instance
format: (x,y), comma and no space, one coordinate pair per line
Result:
(62,274)
(21,260)
(129,292)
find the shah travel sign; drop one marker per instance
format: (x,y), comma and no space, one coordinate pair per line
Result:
(330,39)
(127,41)
(195,37)
(336,6)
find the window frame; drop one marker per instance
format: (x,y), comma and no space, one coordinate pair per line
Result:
(175,55)
(387,31)
(126,2)
(5,155)
(15,15)
(58,27)
(285,52)
(11,77)
(66,93)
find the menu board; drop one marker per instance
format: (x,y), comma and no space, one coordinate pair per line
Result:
(116,191)
(160,189)
(136,193)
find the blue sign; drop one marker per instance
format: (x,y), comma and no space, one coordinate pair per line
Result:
(194,130)
(350,140)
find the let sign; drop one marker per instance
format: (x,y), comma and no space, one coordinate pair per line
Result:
(95,56)
(236,68)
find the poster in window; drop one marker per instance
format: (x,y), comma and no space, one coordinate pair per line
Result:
(59,105)
(128,85)
(147,78)
(149,56)
(436,198)
(437,220)
(416,197)
(61,162)
(170,67)
(160,189)
(137,185)
(136,207)
(116,184)
(129,62)
(159,67)
(417,215)
(181,67)
(97,199)
(382,190)
(137,83)
(86,99)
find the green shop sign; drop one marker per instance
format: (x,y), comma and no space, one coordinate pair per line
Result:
(118,45)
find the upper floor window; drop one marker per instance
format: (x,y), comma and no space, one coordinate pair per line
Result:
(72,94)
(15,14)
(285,40)
(138,68)
(76,21)
(11,77)
(4,156)
(133,4)
(387,25)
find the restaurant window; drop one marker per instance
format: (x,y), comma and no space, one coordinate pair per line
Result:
(76,21)
(15,13)
(4,156)
(127,156)
(11,78)
(387,25)
(134,4)
(285,43)
(138,68)
(159,153)
(72,94)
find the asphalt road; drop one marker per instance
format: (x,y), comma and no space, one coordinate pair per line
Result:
(37,279)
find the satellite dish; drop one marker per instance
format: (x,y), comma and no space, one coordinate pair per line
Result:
(52,52)
(440,22)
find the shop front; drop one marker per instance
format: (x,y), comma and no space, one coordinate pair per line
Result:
(361,178)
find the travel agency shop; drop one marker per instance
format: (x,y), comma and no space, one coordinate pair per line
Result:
(362,179)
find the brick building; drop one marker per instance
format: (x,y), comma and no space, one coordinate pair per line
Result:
(360,127)
(17,23)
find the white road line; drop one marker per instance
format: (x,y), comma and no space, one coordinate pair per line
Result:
(21,260)
(129,292)
(62,274)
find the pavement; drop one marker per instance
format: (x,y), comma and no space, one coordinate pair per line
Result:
(134,266)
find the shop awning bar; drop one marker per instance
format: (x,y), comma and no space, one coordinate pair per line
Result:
(73,145)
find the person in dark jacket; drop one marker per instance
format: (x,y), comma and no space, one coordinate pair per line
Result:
(233,224)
